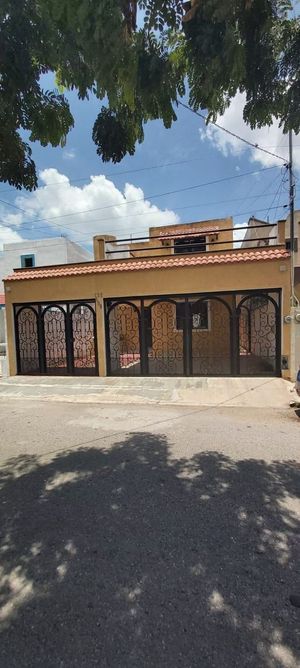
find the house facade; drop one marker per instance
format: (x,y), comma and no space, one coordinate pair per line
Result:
(183,301)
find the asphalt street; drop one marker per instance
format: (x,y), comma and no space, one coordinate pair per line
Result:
(148,536)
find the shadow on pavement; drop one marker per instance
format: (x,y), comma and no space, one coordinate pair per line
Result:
(124,557)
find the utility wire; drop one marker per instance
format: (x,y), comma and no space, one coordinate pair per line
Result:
(232,134)
(154,213)
(14,206)
(113,174)
(145,197)
(244,213)
(277,194)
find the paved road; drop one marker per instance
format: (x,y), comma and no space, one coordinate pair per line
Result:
(148,536)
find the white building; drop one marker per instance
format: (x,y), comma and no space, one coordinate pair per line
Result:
(36,253)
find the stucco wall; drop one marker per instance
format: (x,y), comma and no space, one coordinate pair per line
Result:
(2,325)
(180,280)
(57,250)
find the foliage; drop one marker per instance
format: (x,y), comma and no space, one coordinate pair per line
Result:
(136,56)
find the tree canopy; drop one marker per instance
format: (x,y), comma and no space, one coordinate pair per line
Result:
(139,57)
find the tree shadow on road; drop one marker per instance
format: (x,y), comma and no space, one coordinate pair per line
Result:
(125,557)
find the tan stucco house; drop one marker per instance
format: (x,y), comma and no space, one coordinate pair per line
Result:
(186,300)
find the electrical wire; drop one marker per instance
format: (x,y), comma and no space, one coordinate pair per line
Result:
(14,206)
(147,197)
(152,213)
(113,174)
(232,134)
(278,193)
(283,206)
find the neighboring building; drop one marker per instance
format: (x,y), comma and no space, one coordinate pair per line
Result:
(39,252)
(274,234)
(182,301)
(259,234)
(35,253)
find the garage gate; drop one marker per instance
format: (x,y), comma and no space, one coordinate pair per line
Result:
(173,335)
(194,335)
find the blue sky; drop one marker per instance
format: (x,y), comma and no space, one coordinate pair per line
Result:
(204,155)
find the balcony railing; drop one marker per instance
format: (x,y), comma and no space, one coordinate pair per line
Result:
(113,249)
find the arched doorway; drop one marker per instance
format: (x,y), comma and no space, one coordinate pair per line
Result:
(55,345)
(261,354)
(27,340)
(84,348)
(210,324)
(123,339)
(165,354)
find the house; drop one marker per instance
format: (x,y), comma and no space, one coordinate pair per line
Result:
(185,300)
(38,252)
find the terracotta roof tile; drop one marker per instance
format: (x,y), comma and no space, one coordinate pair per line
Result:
(158,262)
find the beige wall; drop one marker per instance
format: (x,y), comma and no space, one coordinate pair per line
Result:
(180,280)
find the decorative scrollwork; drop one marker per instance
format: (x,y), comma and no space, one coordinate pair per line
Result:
(55,338)
(165,357)
(260,357)
(27,329)
(124,340)
(83,337)
(211,347)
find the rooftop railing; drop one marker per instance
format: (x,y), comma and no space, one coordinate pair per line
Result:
(198,246)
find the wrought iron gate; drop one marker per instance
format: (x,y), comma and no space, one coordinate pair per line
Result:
(198,335)
(56,338)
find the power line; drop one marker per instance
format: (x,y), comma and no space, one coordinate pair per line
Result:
(232,134)
(188,222)
(145,197)
(113,174)
(14,206)
(278,193)
(154,213)
(244,213)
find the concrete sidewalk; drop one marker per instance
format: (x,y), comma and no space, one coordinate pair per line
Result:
(245,392)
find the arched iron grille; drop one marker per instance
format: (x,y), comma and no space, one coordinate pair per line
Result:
(197,335)
(56,338)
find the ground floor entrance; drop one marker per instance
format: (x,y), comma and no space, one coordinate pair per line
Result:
(194,335)
(212,334)
(56,338)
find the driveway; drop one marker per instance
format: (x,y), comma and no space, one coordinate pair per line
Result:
(148,536)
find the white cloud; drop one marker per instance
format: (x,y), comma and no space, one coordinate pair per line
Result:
(270,138)
(8,236)
(238,234)
(95,208)
(69,154)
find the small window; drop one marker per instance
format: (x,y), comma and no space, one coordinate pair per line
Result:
(27,261)
(288,245)
(200,315)
(190,245)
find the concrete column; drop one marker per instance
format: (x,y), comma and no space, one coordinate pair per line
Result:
(100,322)
(281,232)
(295,342)
(10,340)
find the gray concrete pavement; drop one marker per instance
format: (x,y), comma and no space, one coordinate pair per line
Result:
(247,392)
(135,536)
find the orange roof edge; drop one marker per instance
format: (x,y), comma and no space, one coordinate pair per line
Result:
(154,262)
